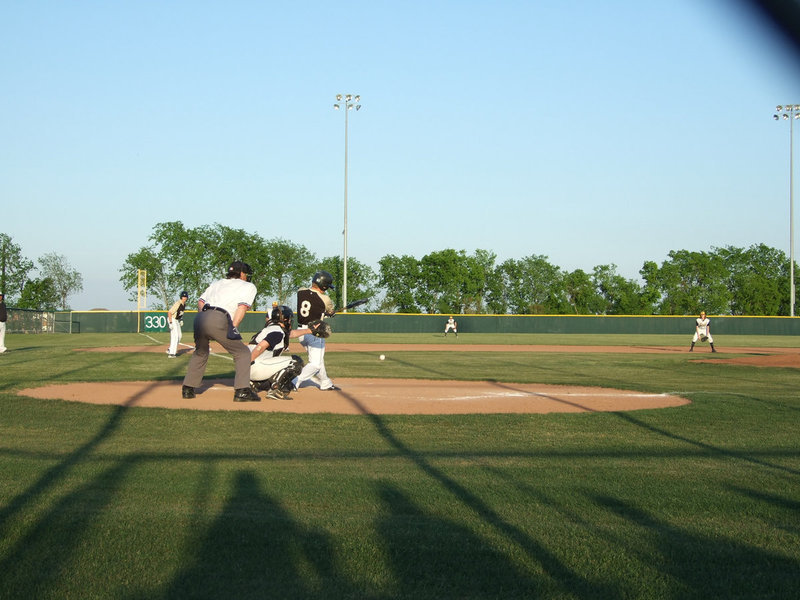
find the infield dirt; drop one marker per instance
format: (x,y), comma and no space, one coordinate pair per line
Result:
(404,396)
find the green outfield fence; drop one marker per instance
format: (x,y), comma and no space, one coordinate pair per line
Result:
(29,321)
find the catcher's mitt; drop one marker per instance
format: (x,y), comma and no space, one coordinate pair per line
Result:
(319,328)
(703,338)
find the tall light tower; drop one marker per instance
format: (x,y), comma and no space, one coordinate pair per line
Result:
(790,112)
(346,102)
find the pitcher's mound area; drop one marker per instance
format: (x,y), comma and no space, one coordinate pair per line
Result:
(370,396)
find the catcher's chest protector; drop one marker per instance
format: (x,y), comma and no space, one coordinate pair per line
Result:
(309,306)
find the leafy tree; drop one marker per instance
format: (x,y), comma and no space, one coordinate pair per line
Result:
(582,295)
(442,281)
(186,258)
(66,280)
(174,261)
(181,258)
(226,244)
(482,283)
(689,282)
(533,286)
(398,277)
(758,280)
(360,280)
(620,296)
(14,268)
(289,267)
(157,280)
(39,294)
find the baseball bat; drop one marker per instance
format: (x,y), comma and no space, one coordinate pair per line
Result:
(355,303)
(352,304)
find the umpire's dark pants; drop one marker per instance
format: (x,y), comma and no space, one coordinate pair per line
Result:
(213,325)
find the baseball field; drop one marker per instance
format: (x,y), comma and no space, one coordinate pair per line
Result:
(106,496)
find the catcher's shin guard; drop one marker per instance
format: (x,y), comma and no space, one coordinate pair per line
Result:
(261,386)
(283,379)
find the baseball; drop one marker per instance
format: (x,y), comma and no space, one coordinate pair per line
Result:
(382,357)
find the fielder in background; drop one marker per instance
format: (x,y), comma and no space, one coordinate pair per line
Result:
(313,304)
(702,332)
(270,368)
(175,319)
(220,309)
(3,319)
(451,324)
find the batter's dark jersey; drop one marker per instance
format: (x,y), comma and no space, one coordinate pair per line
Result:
(310,306)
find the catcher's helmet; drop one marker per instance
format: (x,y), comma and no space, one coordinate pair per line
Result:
(237,267)
(281,315)
(323,280)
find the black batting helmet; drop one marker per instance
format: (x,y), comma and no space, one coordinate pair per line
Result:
(323,280)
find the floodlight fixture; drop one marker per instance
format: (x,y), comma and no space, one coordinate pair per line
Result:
(790,112)
(348,102)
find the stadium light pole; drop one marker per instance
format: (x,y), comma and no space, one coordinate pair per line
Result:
(790,112)
(346,102)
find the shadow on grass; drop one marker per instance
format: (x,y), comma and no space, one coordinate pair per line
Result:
(433,557)
(749,456)
(566,579)
(702,566)
(255,549)
(39,556)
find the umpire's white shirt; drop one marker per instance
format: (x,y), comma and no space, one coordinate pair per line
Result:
(229,294)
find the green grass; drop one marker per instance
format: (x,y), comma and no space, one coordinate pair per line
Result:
(701,501)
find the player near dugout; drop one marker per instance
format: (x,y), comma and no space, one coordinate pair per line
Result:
(702,332)
(175,321)
(3,319)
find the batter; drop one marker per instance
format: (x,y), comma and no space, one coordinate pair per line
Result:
(314,304)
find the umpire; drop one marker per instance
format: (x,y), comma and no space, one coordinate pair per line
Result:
(220,310)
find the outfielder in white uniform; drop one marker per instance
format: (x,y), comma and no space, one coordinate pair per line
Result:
(3,319)
(313,304)
(175,321)
(702,332)
(451,324)
(270,368)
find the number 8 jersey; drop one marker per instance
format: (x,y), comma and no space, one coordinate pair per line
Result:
(312,305)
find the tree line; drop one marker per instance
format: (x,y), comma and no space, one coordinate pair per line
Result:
(56,282)
(728,280)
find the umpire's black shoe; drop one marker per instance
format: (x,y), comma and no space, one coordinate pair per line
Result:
(245,395)
(187,391)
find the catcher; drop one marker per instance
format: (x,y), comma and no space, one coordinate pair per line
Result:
(270,370)
(702,332)
(313,305)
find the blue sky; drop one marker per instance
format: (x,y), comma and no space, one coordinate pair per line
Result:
(589,132)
